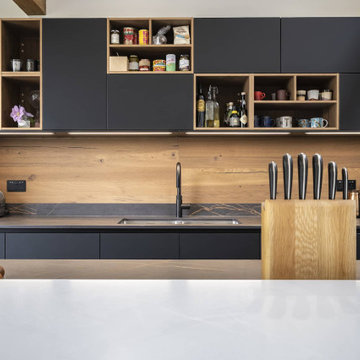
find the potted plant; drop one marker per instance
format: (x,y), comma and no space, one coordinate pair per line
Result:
(21,116)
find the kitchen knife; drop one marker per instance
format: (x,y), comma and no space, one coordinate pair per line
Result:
(273,172)
(302,174)
(332,174)
(345,179)
(288,175)
(317,163)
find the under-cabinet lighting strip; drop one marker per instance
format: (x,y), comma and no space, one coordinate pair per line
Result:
(333,133)
(237,133)
(74,133)
(27,133)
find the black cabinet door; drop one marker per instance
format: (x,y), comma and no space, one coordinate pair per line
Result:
(74,74)
(139,246)
(349,103)
(320,45)
(150,102)
(2,246)
(220,245)
(237,45)
(52,246)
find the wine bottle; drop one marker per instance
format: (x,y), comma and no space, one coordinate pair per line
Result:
(200,109)
(209,109)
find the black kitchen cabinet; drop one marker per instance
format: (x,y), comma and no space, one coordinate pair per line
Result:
(237,45)
(74,74)
(52,246)
(150,102)
(220,245)
(320,45)
(349,106)
(2,246)
(141,245)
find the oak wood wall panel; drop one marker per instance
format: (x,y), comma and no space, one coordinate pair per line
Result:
(140,169)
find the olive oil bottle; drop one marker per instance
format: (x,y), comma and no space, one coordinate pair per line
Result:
(200,109)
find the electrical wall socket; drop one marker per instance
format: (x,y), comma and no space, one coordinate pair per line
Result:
(16,185)
(340,185)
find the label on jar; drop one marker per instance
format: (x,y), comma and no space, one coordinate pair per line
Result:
(184,64)
(234,121)
(200,106)
(244,119)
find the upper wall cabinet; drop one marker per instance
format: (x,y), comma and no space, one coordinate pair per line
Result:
(74,74)
(241,45)
(158,102)
(320,45)
(349,105)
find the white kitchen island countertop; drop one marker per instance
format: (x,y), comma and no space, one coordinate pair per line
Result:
(179,319)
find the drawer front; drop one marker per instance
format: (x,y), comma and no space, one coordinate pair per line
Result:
(139,246)
(220,245)
(52,246)
(2,246)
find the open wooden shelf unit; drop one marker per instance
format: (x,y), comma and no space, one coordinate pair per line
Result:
(150,51)
(230,85)
(20,39)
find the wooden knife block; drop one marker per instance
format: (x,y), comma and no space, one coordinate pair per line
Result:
(308,239)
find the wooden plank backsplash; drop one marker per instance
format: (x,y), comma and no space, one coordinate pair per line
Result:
(140,169)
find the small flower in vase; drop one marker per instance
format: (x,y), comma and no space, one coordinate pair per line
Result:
(21,116)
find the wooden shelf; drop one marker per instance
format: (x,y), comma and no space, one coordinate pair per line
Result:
(152,46)
(292,102)
(20,74)
(150,72)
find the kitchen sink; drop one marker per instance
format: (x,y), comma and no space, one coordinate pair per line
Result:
(179,221)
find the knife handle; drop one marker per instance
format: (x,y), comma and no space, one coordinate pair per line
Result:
(345,179)
(317,175)
(273,173)
(303,175)
(332,174)
(288,175)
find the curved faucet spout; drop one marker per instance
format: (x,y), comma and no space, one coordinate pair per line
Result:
(179,205)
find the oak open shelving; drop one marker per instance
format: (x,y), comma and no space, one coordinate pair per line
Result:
(21,39)
(150,51)
(231,84)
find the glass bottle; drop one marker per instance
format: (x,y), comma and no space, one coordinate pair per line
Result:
(215,91)
(243,111)
(234,119)
(209,110)
(227,113)
(200,109)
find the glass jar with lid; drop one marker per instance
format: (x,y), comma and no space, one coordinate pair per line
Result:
(115,37)
(133,63)
(184,62)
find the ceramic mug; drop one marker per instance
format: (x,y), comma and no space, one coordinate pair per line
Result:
(268,121)
(304,123)
(282,94)
(318,122)
(313,94)
(258,121)
(16,64)
(259,95)
(273,96)
(284,122)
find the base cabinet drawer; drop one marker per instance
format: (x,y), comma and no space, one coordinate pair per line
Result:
(52,246)
(139,246)
(220,245)
(2,246)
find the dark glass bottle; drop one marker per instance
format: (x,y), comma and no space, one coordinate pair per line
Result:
(243,112)
(200,109)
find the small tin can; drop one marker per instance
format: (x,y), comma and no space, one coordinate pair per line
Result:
(143,37)
(159,65)
(170,62)
(144,65)
(129,35)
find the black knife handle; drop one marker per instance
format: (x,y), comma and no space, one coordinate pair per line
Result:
(332,174)
(288,175)
(317,175)
(345,179)
(273,173)
(303,175)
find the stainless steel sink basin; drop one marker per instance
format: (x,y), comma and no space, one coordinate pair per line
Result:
(179,221)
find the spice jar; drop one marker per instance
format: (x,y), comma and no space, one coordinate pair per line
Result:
(144,65)
(115,37)
(133,63)
(184,62)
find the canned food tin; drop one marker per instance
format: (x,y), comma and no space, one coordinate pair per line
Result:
(159,65)
(143,37)
(170,62)
(144,65)
(129,35)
